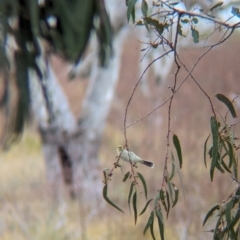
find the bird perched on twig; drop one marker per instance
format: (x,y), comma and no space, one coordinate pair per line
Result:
(130,156)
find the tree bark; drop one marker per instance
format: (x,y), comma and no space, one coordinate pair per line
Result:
(79,143)
(52,131)
(85,144)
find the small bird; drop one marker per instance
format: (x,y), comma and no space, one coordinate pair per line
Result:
(130,156)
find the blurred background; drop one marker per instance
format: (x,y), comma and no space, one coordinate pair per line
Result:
(28,212)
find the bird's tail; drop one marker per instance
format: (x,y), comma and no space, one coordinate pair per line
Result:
(147,163)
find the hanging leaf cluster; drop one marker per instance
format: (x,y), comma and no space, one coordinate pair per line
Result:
(222,151)
(227,216)
(223,155)
(165,199)
(64,25)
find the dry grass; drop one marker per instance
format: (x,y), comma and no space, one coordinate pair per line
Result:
(26,210)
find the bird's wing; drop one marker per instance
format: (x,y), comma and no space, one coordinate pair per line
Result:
(134,156)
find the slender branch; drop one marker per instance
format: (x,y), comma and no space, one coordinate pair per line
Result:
(203,16)
(134,89)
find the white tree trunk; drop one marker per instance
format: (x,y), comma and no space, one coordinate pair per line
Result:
(80,141)
(95,108)
(52,131)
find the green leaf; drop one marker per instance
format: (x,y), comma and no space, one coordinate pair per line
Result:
(176,193)
(158,213)
(130,194)
(108,200)
(228,212)
(205,151)
(216,5)
(165,200)
(143,183)
(218,226)
(156,24)
(157,198)
(195,34)
(149,222)
(215,138)
(235,219)
(145,208)
(170,190)
(173,167)
(162,198)
(151,229)
(144,8)
(131,9)
(225,166)
(168,202)
(210,152)
(195,20)
(210,213)
(228,103)
(230,154)
(126,176)
(134,202)
(185,21)
(178,148)
(236,11)
(174,3)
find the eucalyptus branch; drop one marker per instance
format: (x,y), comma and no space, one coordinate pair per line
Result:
(134,89)
(203,16)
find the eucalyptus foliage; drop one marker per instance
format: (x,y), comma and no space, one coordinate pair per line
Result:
(164,18)
(30,30)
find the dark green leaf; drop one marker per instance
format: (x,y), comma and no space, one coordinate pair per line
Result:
(225,166)
(173,167)
(145,208)
(215,138)
(158,213)
(185,21)
(162,198)
(216,5)
(126,176)
(135,206)
(228,103)
(218,166)
(174,3)
(143,183)
(108,200)
(149,223)
(195,20)
(230,154)
(210,213)
(178,148)
(228,212)
(218,225)
(156,24)
(131,9)
(144,8)
(176,193)
(235,219)
(151,229)
(210,152)
(205,151)
(170,189)
(195,34)
(235,11)
(168,203)
(130,194)
(157,198)
(235,167)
